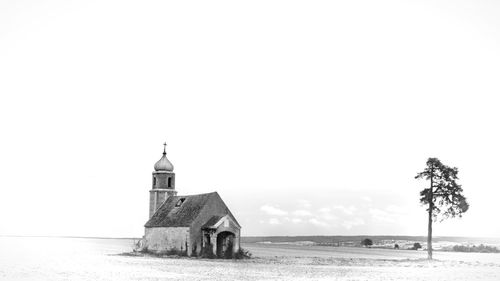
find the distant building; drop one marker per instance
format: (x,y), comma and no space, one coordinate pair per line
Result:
(193,225)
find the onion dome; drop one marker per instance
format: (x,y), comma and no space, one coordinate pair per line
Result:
(163,164)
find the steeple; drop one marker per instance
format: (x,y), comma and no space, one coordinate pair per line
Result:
(163,183)
(163,164)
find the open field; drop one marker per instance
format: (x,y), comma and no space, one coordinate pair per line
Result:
(380,241)
(102,259)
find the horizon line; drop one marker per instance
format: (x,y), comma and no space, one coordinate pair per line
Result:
(252,236)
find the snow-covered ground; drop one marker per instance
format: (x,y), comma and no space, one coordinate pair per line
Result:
(101,259)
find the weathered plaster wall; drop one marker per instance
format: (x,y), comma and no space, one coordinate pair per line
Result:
(163,239)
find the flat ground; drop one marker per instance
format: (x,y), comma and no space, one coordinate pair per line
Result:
(103,259)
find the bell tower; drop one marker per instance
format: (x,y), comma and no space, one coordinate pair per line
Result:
(163,183)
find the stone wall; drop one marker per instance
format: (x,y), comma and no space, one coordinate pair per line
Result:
(167,239)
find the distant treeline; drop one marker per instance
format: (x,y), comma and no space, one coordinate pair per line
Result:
(474,249)
(327,239)
(359,238)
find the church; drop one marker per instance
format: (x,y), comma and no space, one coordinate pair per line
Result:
(192,225)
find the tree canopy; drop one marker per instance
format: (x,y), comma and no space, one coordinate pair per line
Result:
(367,242)
(416,246)
(445,194)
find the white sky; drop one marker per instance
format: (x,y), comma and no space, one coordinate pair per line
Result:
(308,117)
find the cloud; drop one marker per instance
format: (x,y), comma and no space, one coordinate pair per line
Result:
(392,213)
(317,222)
(346,210)
(274,221)
(381,215)
(366,198)
(395,209)
(270,210)
(302,213)
(326,213)
(354,222)
(304,203)
(294,220)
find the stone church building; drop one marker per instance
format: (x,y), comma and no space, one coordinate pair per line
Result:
(193,225)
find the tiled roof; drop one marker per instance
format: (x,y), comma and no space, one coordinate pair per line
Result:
(212,221)
(174,214)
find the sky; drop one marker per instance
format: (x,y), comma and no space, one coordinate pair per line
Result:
(307,117)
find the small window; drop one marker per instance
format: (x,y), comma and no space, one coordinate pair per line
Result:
(179,203)
(169,182)
(154,181)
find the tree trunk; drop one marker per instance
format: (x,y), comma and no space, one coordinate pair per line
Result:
(429,226)
(429,234)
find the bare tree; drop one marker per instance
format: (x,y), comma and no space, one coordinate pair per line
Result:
(443,197)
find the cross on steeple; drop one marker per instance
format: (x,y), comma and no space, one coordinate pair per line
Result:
(164,148)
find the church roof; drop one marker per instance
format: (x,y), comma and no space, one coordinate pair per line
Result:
(181,211)
(212,221)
